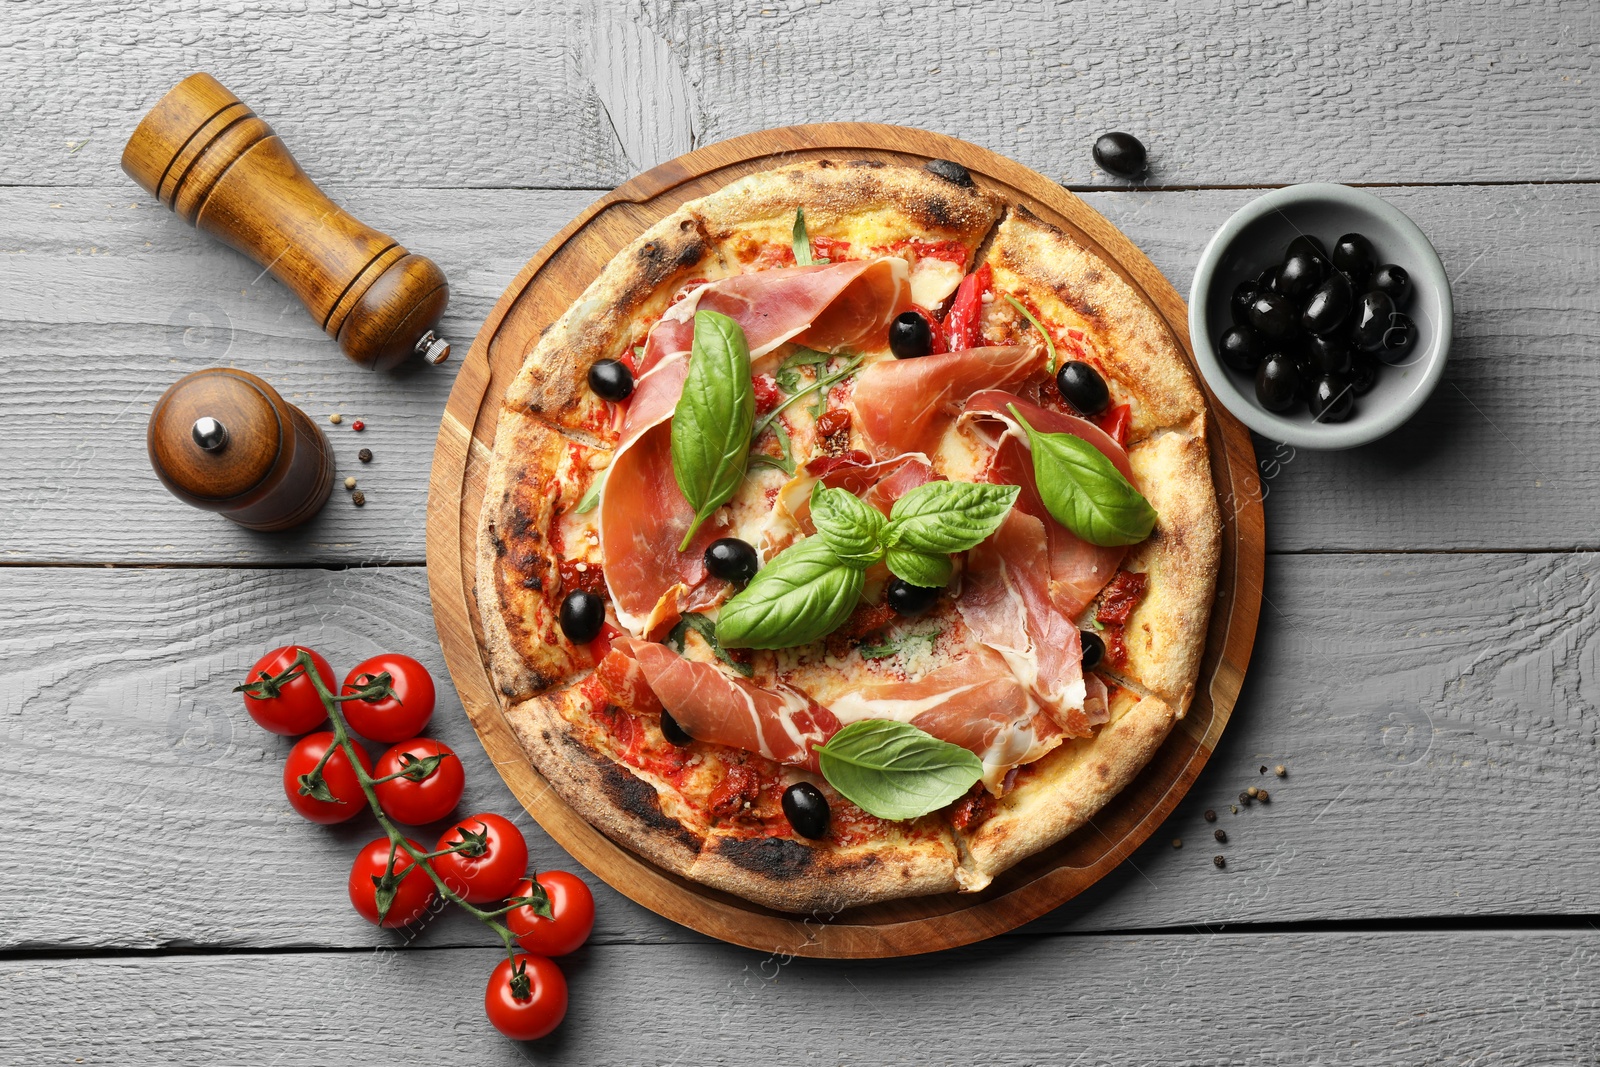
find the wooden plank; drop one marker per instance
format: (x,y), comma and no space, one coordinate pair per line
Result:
(1325,998)
(559,95)
(1435,714)
(1502,457)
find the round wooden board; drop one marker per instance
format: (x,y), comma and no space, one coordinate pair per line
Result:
(544,289)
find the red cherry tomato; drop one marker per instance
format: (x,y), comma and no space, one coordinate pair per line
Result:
(390,719)
(413,895)
(337,774)
(532,1016)
(295,708)
(571,910)
(488,877)
(429,800)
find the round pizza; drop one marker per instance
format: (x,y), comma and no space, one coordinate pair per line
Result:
(852,537)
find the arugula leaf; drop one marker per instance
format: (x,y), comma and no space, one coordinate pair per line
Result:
(677,640)
(787,375)
(853,529)
(919,568)
(803,594)
(1084,491)
(784,461)
(711,424)
(941,517)
(896,771)
(891,648)
(592,497)
(823,382)
(802,243)
(1050,364)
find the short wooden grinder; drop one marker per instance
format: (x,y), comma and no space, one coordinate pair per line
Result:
(207,156)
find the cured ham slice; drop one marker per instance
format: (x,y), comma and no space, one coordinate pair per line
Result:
(906,405)
(879,484)
(643,517)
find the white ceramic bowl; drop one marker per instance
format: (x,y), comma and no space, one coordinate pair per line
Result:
(1253,240)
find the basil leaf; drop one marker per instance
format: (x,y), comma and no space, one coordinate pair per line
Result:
(677,640)
(592,497)
(711,424)
(919,568)
(853,529)
(948,516)
(802,243)
(1084,491)
(803,594)
(1050,364)
(896,771)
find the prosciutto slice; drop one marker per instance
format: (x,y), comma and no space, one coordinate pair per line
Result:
(643,516)
(906,405)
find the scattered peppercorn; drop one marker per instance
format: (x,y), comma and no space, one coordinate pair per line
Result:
(1234,808)
(1177,842)
(1263,796)
(336,418)
(358,498)
(1253,792)
(349,483)
(1221,835)
(1263,769)
(358,426)
(1211,816)
(365,455)
(1244,798)
(1220,861)
(1281,771)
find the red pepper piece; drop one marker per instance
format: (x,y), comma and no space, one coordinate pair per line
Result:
(963,323)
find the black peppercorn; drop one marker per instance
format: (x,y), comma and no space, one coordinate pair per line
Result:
(358,498)
(1244,798)
(1221,835)
(365,455)
(1220,861)
(1211,816)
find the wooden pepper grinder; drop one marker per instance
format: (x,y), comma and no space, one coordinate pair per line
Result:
(207,156)
(225,441)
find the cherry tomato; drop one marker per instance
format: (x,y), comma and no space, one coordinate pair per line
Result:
(429,800)
(571,910)
(488,877)
(295,708)
(529,1017)
(337,774)
(413,895)
(395,718)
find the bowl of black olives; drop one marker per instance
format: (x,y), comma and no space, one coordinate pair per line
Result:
(1320,316)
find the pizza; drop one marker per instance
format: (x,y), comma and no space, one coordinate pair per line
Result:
(852,537)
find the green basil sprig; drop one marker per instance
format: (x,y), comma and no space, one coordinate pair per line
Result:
(853,529)
(711,426)
(1084,491)
(805,593)
(920,568)
(1050,364)
(896,771)
(944,517)
(802,241)
(592,497)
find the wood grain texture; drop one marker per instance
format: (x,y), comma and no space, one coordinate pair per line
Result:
(1501,456)
(1436,715)
(527,94)
(1326,998)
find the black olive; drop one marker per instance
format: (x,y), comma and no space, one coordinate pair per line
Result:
(910,336)
(1370,320)
(1307,244)
(1081,386)
(1333,399)
(610,379)
(1300,273)
(1398,339)
(1267,280)
(732,560)
(1241,348)
(952,172)
(582,615)
(1393,280)
(672,731)
(908,599)
(1094,649)
(1306,366)
(1244,294)
(1330,355)
(1120,154)
(807,810)
(1364,375)
(1328,307)
(1354,255)
(1273,315)
(1277,383)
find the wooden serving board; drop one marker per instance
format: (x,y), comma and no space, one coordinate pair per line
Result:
(544,289)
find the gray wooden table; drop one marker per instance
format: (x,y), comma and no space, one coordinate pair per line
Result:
(1424,884)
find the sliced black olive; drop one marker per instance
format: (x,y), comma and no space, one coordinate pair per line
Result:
(1273,315)
(1244,294)
(1121,154)
(1330,355)
(1094,649)
(1300,273)
(1081,386)
(732,560)
(1241,348)
(1333,399)
(1364,375)
(1393,280)
(610,379)
(1355,257)
(1307,244)
(582,615)
(807,810)
(950,171)
(1370,320)
(1277,382)
(1328,307)
(672,731)
(1399,339)
(907,599)
(910,336)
